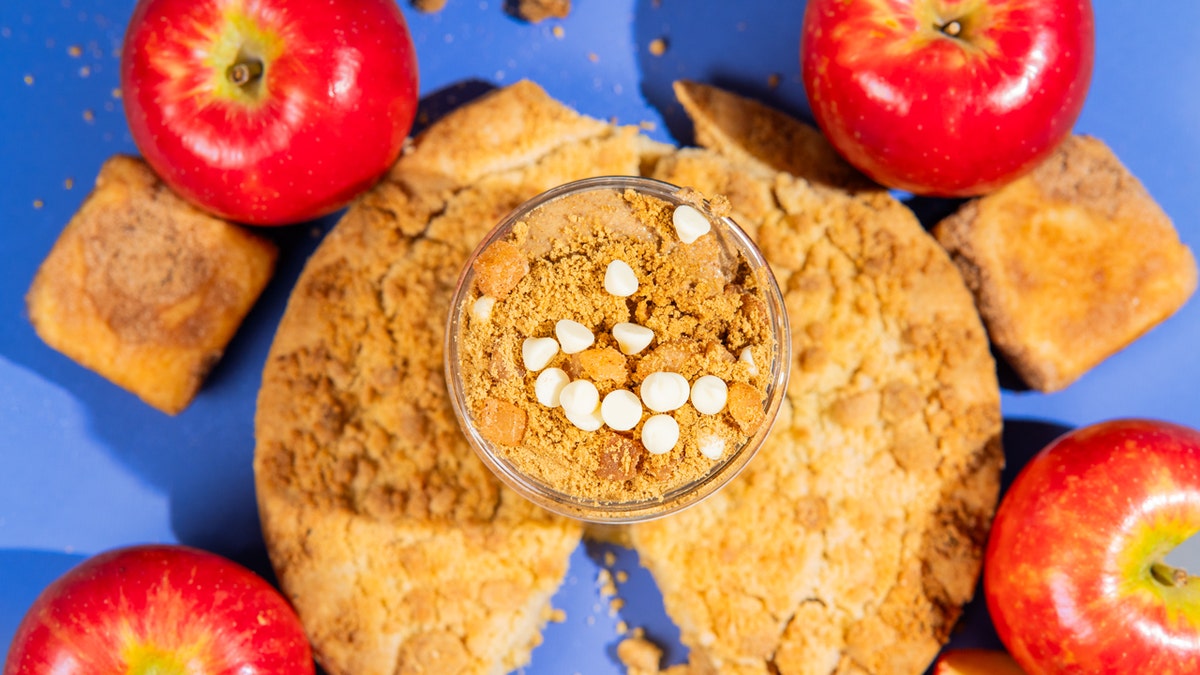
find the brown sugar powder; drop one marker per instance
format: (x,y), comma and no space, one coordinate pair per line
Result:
(568,392)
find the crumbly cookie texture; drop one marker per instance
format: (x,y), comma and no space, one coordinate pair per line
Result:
(399,550)
(848,545)
(144,288)
(877,486)
(1070,263)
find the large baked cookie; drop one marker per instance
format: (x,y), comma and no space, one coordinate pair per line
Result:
(852,540)
(850,543)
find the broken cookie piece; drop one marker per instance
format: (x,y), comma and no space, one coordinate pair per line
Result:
(145,289)
(1070,263)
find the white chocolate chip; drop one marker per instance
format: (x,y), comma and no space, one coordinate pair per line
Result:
(482,309)
(690,224)
(660,433)
(632,338)
(573,336)
(709,394)
(621,410)
(549,385)
(664,392)
(712,446)
(747,357)
(587,421)
(619,279)
(579,398)
(537,352)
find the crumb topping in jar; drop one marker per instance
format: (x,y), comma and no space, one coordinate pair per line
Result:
(609,345)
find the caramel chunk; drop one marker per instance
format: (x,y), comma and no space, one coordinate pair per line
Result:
(499,268)
(669,357)
(746,406)
(501,422)
(619,457)
(603,363)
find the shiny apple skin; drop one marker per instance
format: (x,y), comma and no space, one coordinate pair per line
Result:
(918,110)
(162,609)
(1068,567)
(334,106)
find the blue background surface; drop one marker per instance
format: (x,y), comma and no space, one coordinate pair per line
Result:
(85,466)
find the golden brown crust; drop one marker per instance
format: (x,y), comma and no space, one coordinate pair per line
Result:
(144,288)
(877,486)
(764,138)
(1070,263)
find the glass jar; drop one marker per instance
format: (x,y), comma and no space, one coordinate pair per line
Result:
(617,349)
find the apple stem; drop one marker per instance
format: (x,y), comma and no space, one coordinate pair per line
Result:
(1168,575)
(953,29)
(244,73)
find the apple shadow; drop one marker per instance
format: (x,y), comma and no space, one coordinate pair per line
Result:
(1022,440)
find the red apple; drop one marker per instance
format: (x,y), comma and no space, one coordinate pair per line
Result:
(946,97)
(1073,572)
(162,610)
(973,661)
(269,112)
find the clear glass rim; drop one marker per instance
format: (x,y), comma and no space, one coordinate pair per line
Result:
(681,496)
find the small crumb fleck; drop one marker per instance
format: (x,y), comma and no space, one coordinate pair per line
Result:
(610,558)
(605,582)
(593,57)
(615,605)
(658,47)
(559,32)
(116,92)
(622,576)
(558,615)
(429,5)
(622,627)
(29,80)
(69,183)
(75,51)
(84,71)
(89,116)
(773,80)
(647,125)
(37,203)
